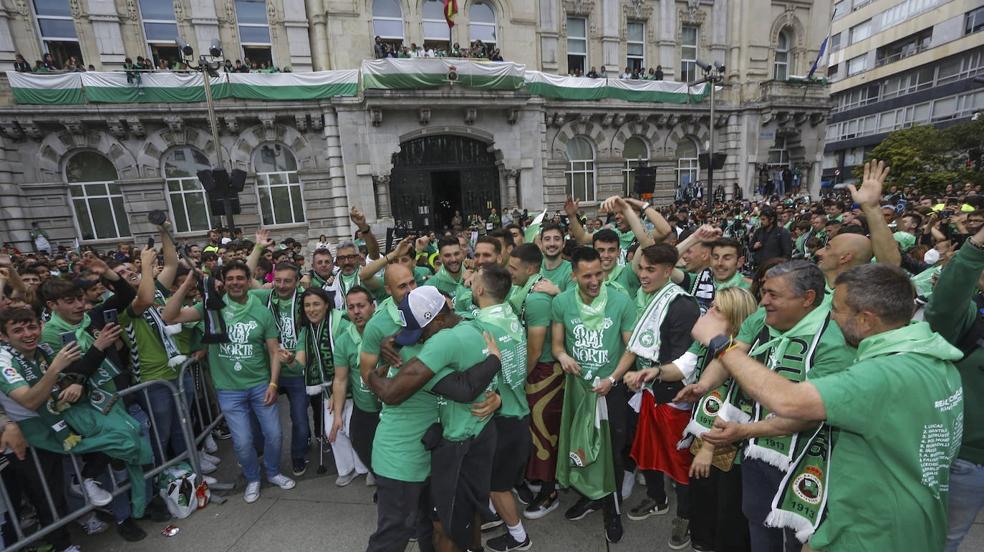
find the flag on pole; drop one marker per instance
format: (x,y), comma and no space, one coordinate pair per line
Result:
(816,63)
(450,10)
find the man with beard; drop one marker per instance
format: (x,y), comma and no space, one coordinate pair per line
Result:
(450,276)
(459,467)
(771,240)
(592,323)
(544,380)
(900,366)
(365,405)
(799,342)
(245,371)
(283,302)
(555,267)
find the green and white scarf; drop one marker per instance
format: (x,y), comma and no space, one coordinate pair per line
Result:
(319,365)
(99,386)
(706,410)
(519,294)
(288,335)
(802,498)
(593,315)
(165,336)
(50,412)
(646,339)
(789,354)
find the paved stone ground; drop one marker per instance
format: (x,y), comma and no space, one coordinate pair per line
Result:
(317,516)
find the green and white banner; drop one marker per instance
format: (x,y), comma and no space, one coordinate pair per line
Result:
(169,87)
(409,74)
(555,87)
(386,74)
(46,88)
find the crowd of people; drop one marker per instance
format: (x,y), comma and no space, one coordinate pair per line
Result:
(476,50)
(792,371)
(48,64)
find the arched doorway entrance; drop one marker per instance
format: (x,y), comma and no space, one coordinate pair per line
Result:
(434,176)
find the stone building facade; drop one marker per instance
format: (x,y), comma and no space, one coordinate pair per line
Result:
(309,162)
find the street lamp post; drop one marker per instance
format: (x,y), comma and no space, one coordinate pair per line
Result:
(713,75)
(208,66)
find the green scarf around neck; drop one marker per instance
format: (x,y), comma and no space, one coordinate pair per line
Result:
(502,317)
(737,280)
(99,386)
(916,338)
(50,413)
(593,315)
(519,294)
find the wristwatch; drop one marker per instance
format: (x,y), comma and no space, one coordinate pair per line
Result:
(718,344)
(642,210)
(613,381)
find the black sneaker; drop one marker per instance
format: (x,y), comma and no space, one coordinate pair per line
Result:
(543,504)
(581,509)
(157,511)
(613,527)
(648,507)
(680,534)
(491,524)
(701,547)
(505,543)
(523,494)
(221,432)
(130,531)
(300,466)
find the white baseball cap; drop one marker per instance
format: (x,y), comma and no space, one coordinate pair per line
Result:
(419,308)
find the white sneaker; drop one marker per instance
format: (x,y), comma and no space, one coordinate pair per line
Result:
(208,457)
(73,548)
(96,494)
(209,444)
(209,480)
(252,493)
(344,480)
(92,525)
(282,481)
(207,467)
(370,480)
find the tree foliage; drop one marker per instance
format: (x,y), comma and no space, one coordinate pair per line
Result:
(930,158)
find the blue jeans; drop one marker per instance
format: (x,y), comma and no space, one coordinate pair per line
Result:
(300,427)
(966,499)
(166,416)
(237,406)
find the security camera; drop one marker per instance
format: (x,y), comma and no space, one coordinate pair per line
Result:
(719,67)
(215,49)
(704,66)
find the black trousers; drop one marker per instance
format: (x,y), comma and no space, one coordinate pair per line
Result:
(759,485)
(618,426)
(363,430)
(22,478)
(402,511)
(716,520)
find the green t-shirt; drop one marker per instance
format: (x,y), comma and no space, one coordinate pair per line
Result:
(627,279)
(560,276)
(899,420)
(384,323)
(596,351)
(347,355)
(444,282)
(153,357)
(243,362)
(511,379)
(289,325)
(397,452)
(455,350)
(538,314)
(751,327)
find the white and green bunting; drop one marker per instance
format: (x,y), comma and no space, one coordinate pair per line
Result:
(404,74)
(46,88)
(554,87)
(380,74)
(112,87)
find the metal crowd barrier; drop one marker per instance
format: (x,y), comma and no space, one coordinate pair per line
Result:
(204,407)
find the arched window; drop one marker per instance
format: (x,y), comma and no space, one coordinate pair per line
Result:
(96,197)
(278,187)
(635,153)
(780,68)
(387,19)
(481,23)
(580,169)
(687,167)
(185,195)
